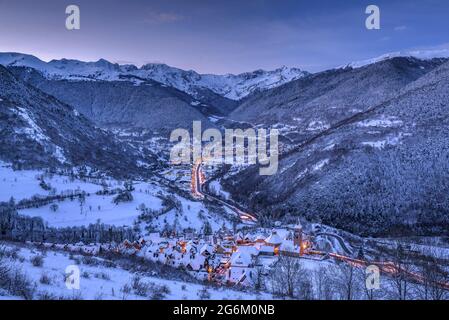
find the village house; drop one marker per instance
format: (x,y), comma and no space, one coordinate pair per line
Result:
(274,241)
(241,267)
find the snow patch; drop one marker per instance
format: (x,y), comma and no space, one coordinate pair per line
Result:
(419,54)
(320,165)
(329,147)
(318,125)
(384,122)
(216,188)
(59,154)
(381,144)
(33,130)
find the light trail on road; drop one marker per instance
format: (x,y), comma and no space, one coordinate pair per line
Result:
(388,267)
(199,179)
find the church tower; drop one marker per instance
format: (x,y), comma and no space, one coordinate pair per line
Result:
(298,238)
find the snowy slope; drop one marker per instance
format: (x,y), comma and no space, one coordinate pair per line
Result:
(103,281)
(24,184)
(64,68)
(230,86)
(419,54)
(96,208)
(39,130)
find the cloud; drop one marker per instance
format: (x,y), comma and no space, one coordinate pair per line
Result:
(162,18)
(124,62)
(400,28)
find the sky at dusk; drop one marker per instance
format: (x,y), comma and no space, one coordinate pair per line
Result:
(214,36)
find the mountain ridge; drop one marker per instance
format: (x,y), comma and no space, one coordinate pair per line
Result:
(234,87)
(148,104)
(382,170)
(37,130)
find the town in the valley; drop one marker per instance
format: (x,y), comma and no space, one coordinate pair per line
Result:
(224,257)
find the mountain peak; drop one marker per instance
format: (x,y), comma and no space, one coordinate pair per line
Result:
(417,54)
(231,86)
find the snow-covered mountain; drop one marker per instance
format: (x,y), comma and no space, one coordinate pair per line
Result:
(418,54)
(367,148)
(231,86)
(149,105)
(38,130)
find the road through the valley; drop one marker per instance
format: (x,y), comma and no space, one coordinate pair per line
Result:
(198,180)
(387,267)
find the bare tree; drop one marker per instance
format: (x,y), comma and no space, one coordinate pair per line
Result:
(14,281)
(82,201)
(402,268)
(322,285)
(368,293)
(258,278)
(344,280)
(305,288)
(434,277)
(286,275)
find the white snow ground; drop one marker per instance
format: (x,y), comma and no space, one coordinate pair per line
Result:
(25,184)
(99,282)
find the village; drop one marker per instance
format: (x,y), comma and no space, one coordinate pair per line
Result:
(223,257)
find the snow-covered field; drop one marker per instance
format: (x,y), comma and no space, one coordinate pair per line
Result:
(106,283)
(193,215)
(95,208)
(101,208)
(24,184)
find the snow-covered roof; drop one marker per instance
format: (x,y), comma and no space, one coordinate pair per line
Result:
(197,263)
(288,245)
(273,239)
(191,247)
(298,225)
(248,249)
(207,247)
(241,259)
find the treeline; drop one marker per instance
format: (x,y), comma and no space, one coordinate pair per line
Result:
(169,202)
(16,227)
(40,201)
(400,191)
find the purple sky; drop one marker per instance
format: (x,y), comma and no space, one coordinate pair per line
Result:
(213,36)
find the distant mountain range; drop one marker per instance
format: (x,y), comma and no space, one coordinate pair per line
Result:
(230,86)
